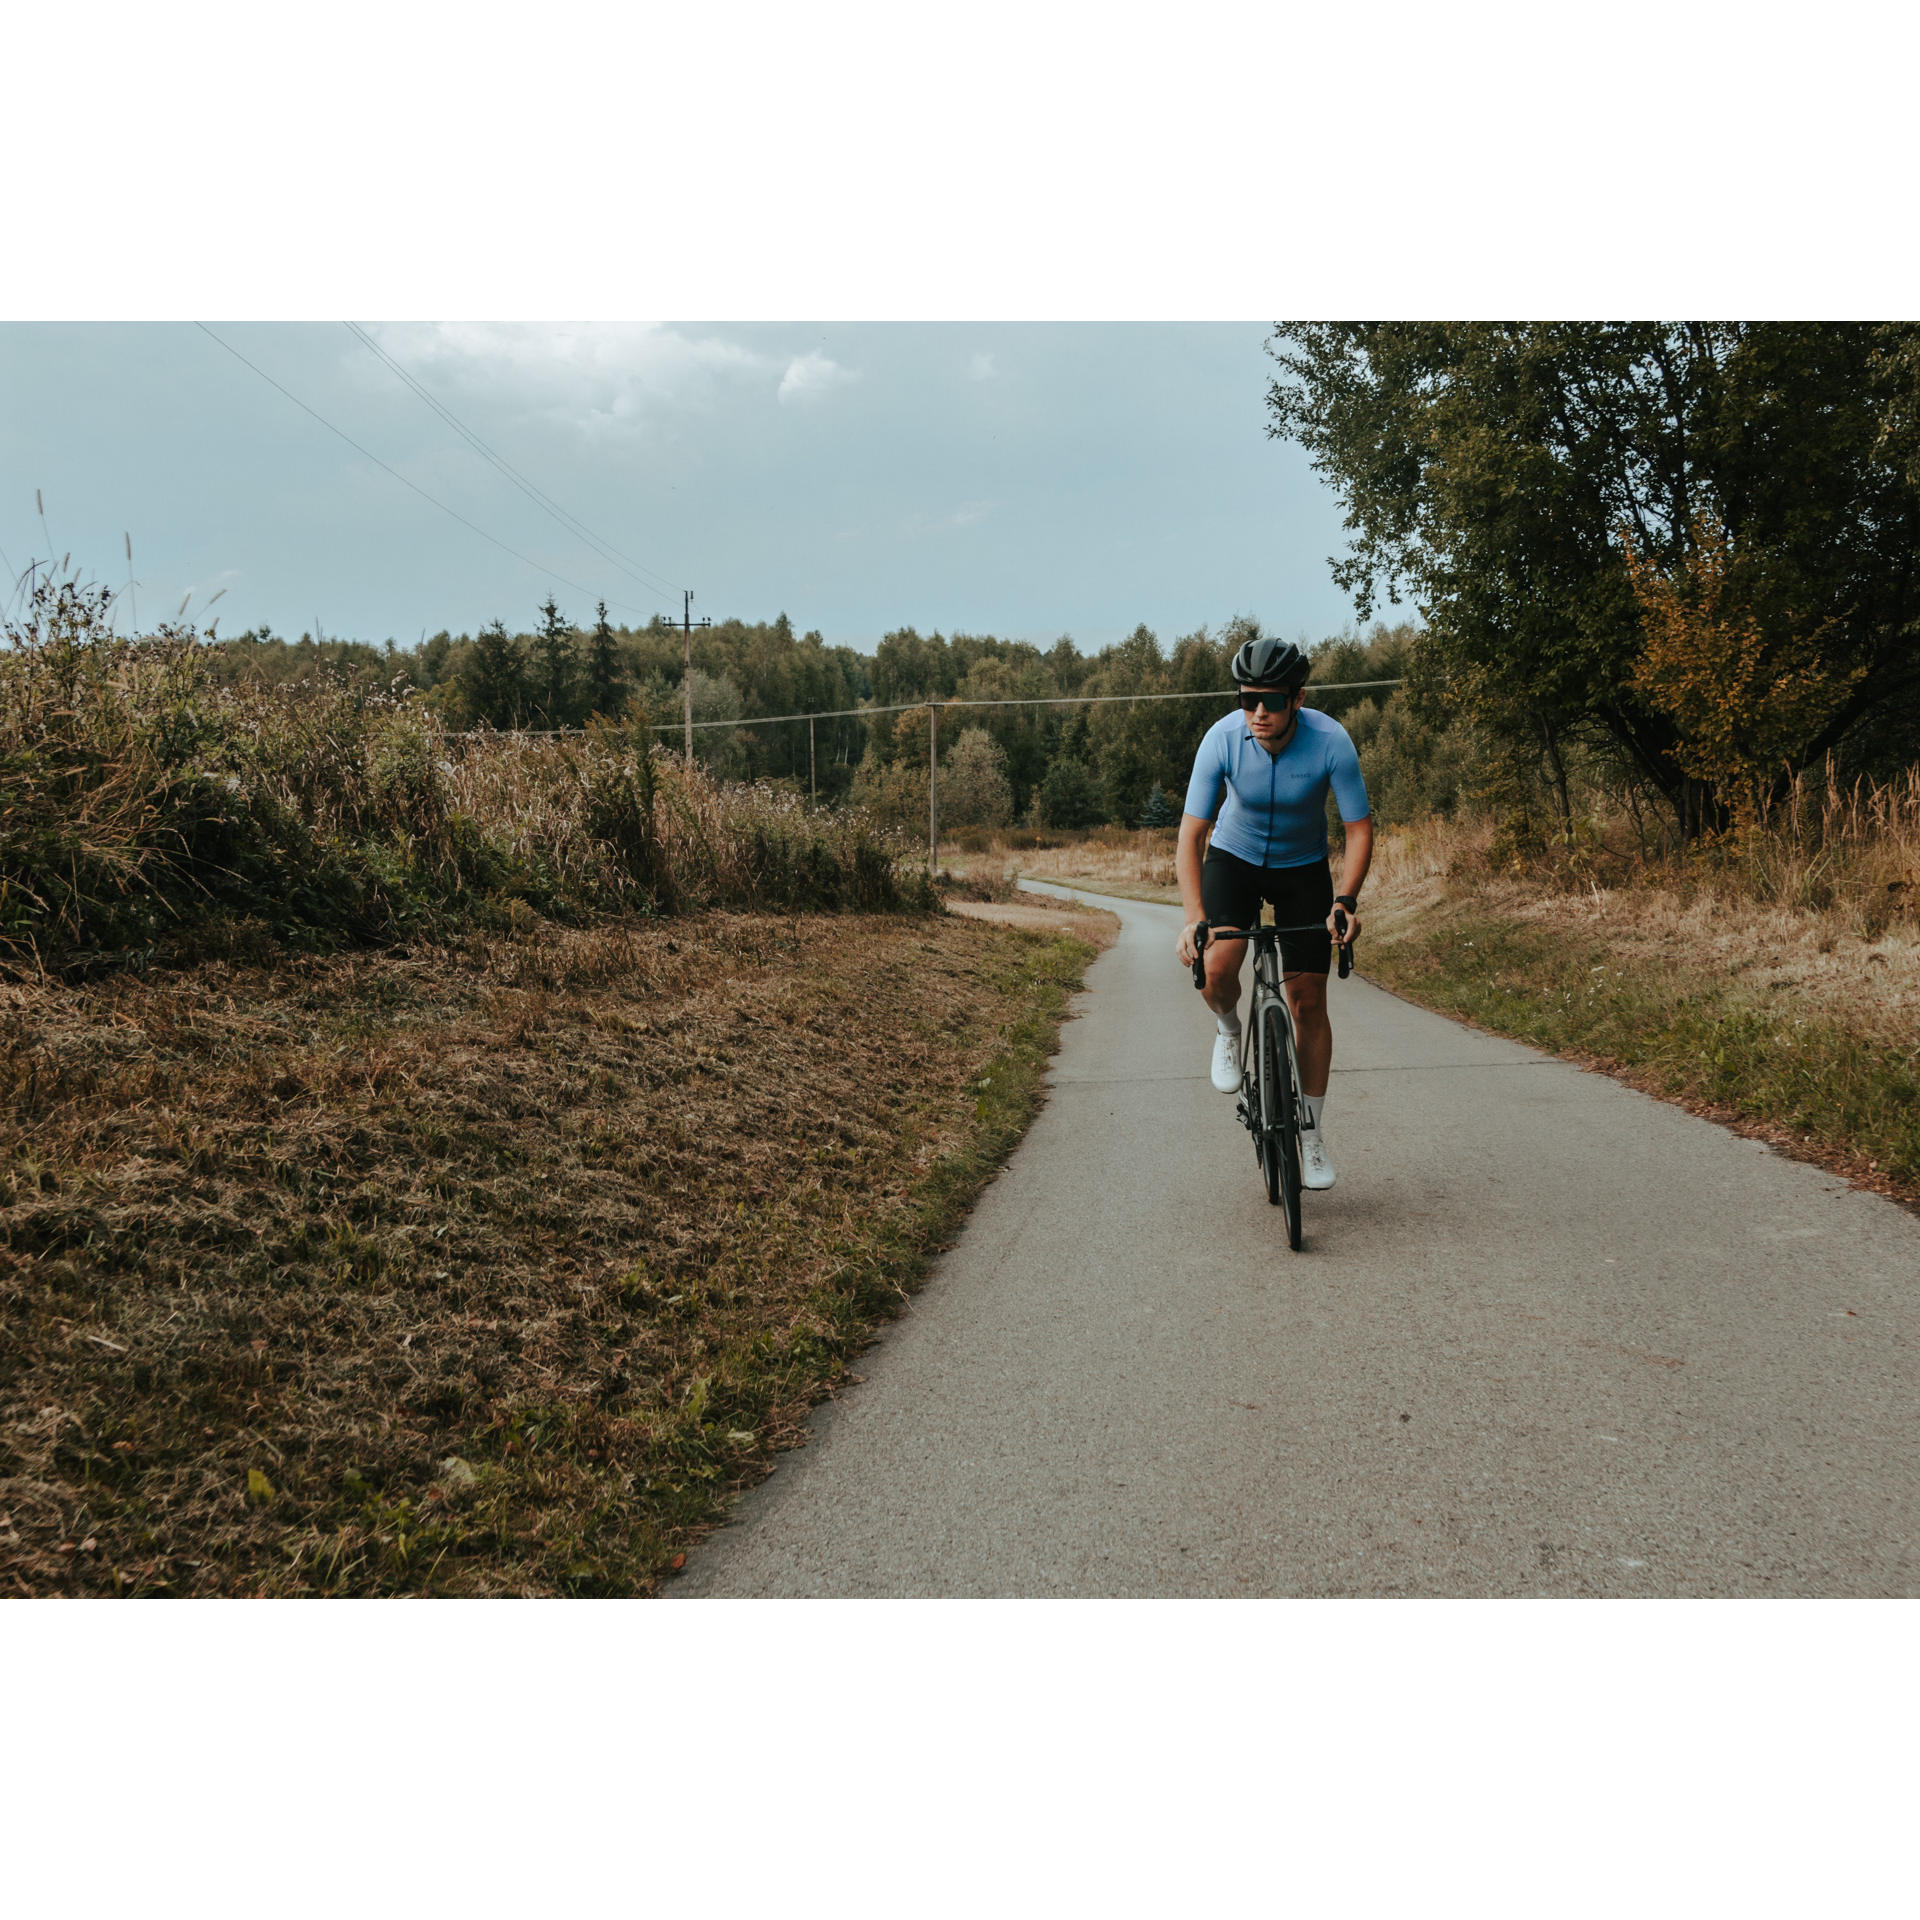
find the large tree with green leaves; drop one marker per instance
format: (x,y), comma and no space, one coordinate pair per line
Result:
(1512,478)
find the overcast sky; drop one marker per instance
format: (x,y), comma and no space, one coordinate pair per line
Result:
(1021,480)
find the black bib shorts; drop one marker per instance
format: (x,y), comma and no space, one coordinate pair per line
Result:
(1231,890)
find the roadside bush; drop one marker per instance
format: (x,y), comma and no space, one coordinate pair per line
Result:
(146,809)
(894,797)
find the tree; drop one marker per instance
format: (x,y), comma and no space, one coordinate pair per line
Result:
(1135,745)
(1744,690)
(1069,796)
(434,655)
(605,669)
(553,661)
(1159,810)
(496,677)
(973,782)
(718,748)
(1499,473)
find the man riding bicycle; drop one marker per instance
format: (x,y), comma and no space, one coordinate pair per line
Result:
(1265,771)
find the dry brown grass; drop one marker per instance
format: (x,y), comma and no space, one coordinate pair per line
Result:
(1139,861)
(487,1268)
(147,812)
(1820,914)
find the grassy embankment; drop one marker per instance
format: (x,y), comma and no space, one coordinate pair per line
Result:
(1774,984)
(492,1268)
(443,1166)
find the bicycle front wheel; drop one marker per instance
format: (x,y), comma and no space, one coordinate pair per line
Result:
(1280,1120)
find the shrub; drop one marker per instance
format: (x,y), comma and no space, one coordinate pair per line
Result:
(146,809)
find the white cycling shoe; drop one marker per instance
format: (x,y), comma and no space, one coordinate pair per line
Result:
(1226,1063)
(1316,1164)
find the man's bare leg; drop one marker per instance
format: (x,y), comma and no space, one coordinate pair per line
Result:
(1313,1031)
(1225,958)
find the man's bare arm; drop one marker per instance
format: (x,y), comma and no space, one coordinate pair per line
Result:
(1186,869)
(1359,856)
(1353,875)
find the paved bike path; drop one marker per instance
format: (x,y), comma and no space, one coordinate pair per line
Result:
(1547,1335)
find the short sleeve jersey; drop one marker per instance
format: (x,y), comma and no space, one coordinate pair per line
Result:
(1272,808)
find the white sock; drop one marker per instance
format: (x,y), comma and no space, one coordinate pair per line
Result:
(1313,1103)
(1228,1022)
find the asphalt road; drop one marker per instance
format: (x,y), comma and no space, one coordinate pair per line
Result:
(1546,1336)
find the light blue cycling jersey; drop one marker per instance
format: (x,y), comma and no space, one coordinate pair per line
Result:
(1276,804)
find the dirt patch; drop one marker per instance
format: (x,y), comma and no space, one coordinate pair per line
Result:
(485,1269)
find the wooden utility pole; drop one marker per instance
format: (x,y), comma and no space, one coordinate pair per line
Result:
(933,789)
(686,678)
(813,775)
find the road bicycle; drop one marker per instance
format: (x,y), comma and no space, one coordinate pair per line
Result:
(1271,1101)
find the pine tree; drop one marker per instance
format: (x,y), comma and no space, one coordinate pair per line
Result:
(605,670)
(496,677)
(1159,810)
(553,649)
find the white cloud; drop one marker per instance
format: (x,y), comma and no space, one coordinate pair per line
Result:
(812,376)
(969,513)
(600,381)
(980,367)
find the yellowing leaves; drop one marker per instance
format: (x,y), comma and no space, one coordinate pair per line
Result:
(1745,690)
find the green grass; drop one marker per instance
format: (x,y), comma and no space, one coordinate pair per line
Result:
(1693,1036)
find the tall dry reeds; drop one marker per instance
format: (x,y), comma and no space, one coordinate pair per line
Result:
(1828,847)
(145,809)
(1842,859)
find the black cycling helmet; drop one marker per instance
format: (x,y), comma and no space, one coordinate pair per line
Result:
(1266,662)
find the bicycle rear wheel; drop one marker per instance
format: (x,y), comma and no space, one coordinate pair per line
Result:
(1280,1120)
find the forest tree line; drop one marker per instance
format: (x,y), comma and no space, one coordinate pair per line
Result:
(1058,766)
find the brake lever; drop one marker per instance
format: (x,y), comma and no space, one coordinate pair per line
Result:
(1200,955)
(1346,945)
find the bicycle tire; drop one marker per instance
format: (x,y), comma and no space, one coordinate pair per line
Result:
(1280,1121)
(1266,1132)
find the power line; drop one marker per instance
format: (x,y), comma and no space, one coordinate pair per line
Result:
(1051,700)
(911,706)
(401,477)
(603,547)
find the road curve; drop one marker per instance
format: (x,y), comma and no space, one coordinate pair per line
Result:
(1547,1336)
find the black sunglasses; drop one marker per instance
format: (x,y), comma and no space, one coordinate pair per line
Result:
(1276,702)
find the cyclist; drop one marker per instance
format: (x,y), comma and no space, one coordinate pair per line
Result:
(1265,771)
